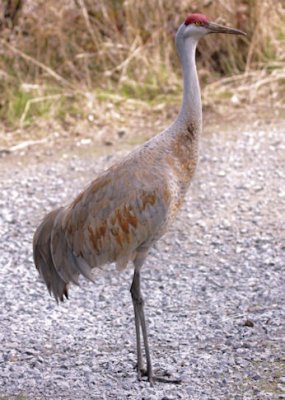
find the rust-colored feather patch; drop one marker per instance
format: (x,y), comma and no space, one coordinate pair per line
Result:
(93,238)
(96,235)
(115,231)
(147,198)
(131,218)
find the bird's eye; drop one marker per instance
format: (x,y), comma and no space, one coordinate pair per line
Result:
(198,23)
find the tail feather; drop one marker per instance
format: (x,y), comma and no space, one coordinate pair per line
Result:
(84,268)
(43,258)
(53,257)
(62,255)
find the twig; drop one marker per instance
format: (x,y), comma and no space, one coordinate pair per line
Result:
(87,19)
(36,100)
(230,80)
(23,145)
(51,72)
(134,50)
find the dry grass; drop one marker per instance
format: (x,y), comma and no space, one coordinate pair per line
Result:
(63,61)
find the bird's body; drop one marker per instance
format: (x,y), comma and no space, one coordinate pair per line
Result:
(130,206)
(122,212)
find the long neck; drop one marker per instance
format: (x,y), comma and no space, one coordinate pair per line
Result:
(185,131)
(191,109)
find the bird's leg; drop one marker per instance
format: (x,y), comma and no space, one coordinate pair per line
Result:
(138,340)
(138,305)
(140,322)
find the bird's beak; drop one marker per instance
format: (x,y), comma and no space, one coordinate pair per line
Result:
(216,28)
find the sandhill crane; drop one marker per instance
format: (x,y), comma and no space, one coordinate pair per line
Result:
(129,207)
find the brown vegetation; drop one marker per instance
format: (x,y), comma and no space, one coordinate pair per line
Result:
(63,59)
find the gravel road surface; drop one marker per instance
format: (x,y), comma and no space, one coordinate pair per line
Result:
(214,285)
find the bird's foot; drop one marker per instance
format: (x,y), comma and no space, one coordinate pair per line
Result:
(141,373)
(175,381)
(165,377)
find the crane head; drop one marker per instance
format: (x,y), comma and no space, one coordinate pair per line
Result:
(198,25)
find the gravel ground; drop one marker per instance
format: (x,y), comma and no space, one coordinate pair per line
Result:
(214,286)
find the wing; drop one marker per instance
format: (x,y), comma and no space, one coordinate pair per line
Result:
(117,214)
